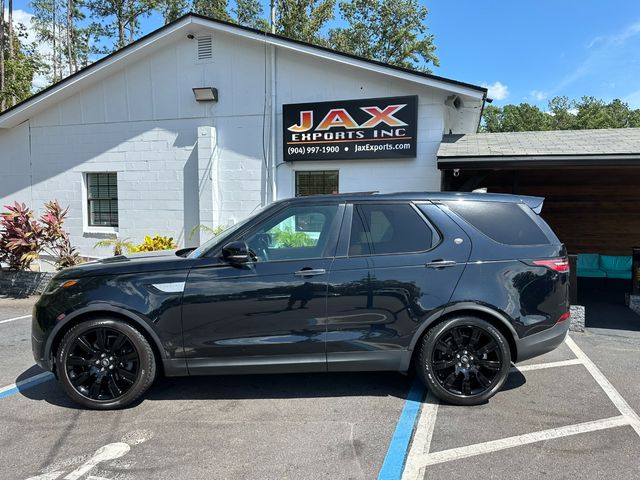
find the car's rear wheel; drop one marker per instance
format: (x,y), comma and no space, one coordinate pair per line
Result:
(464,360)
(105,364)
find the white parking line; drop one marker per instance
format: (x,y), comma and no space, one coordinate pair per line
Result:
(25,384)
(540,366)
(419,457)
(620,403)
(15,318)
(519,440)
(422,437)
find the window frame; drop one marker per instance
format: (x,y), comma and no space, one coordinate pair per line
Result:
(88,227)
(215,252)
(345,232)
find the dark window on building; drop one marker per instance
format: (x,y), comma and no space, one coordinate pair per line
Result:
(102,198)
(323,182)
(393,228)
(506,223)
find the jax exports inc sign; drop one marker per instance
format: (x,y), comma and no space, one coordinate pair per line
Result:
(351,129)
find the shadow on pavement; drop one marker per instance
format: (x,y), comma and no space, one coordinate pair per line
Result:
(246,387)
(604,302)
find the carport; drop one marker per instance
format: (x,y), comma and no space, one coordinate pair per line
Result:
(589,179)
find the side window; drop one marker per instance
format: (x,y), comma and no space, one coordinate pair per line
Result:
(391,228)
(505,223)
(294,233)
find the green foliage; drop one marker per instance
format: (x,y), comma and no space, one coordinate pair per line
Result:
(562,114)
(287,238)
(21,238)
(173,9)
(118,21)
(151,244)
(119,245)
(212,8)
(19,68)
(304,19)
(214,232)
(249,14)
(390,31)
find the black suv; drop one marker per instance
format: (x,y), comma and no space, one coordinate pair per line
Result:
(455,285)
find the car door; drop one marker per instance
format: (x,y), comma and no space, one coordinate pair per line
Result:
(396,265)
(268,314)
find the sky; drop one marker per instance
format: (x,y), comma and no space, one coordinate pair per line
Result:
(525,50)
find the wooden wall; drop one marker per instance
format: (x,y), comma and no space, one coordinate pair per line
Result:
(591,210)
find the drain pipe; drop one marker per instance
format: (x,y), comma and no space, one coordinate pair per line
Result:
(271,174)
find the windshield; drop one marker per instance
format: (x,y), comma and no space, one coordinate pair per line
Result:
(209,244)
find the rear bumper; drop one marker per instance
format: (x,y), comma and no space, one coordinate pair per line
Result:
(543,342)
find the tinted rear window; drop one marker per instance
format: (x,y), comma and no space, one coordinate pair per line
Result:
(388,228)
(506,223)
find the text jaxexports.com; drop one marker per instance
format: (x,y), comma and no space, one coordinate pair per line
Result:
(368,147)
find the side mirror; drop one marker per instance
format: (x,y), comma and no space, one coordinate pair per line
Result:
(237,252)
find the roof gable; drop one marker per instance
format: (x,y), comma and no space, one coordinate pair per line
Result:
(102,68)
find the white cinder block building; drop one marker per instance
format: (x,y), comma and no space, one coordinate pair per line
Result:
(132,149)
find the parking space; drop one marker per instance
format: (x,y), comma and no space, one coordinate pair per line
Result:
(558,416)
(570,413)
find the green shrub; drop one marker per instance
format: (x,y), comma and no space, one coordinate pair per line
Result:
(287,238)
(151,244)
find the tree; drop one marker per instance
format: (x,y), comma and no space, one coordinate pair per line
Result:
(249,14)
(21,63)
(118,20)
(562,114)
(212,8)
(304,19)
(173,9)
(390,31)
(56,24)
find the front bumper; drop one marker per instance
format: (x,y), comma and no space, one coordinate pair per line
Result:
(543,342)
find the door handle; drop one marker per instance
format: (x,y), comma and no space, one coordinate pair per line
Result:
(441,264)
(310,272)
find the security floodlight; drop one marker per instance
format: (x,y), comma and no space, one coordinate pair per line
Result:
(205,94)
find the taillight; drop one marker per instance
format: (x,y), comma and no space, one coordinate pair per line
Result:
(557,264)
(564,316)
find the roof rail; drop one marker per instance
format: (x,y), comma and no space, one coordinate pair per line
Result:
(372,192)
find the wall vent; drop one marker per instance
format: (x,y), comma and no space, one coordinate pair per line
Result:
(205,48)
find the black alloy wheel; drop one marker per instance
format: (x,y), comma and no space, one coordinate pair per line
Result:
(464,361)
(105,364)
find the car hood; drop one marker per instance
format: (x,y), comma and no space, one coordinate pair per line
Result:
(130,263)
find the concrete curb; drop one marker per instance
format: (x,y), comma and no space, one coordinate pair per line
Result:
(577,318)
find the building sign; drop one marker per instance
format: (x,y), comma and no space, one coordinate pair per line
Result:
(351,129)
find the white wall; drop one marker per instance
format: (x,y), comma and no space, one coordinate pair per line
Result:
(142,122)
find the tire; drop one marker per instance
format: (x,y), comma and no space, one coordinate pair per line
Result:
(464,360)
(105,364)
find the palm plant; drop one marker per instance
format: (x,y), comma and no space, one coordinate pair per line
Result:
(118,244)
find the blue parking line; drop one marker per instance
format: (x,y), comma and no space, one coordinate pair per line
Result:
(399,446)
(26,384)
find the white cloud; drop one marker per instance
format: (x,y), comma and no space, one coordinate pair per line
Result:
(538,95)
(497,90)
(600,52)
(24,17)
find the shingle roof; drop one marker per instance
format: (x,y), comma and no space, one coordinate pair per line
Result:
(549,147)
(556,142)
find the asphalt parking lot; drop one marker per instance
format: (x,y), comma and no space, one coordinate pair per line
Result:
(568,414)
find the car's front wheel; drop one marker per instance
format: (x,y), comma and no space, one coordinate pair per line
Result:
(105,364)
(464,360)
